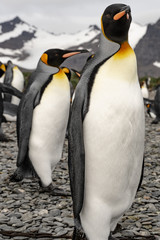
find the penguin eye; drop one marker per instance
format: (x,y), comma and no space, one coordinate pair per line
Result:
(108,15)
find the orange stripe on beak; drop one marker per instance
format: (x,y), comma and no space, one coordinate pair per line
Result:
(66,55)
(119,15)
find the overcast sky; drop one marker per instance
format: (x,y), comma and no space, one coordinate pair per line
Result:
(71,16)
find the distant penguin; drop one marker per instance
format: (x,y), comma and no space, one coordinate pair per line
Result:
(6,107)
(106,131)
(144,90)
(153,107)
(150,109)
(43,117)
(2,135)
(15,78)
(2,72)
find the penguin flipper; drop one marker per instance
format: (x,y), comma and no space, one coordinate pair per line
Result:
(10,108)
(24,122)
(10,90)
(8,79)
(76,158)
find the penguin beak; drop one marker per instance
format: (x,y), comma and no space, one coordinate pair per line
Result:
(76,72)
(72,53)
(125,10)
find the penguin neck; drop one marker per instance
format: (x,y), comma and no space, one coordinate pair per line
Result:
(107,46)
(113,48)
(46,68)
(124,51)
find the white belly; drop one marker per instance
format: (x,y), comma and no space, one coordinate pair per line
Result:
(2,79)
(145,92)
(18,83)
(49,125)
(114,145)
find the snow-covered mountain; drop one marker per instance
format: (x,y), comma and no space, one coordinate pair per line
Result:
(24,44)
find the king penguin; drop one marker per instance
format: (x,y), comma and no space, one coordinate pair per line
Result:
(153,106)
(6,107)
(106,132)
(43,117)
(15,78)
(144,89)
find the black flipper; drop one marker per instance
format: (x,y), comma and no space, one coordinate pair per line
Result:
(8,79)
(10,90)
(10,108)
(7,107)
(76,158)
(142,173)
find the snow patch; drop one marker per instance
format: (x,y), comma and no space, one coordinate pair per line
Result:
(21,27)
(43,40)
(136,32)
(156,64)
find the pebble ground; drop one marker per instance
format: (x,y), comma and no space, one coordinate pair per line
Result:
(27,214)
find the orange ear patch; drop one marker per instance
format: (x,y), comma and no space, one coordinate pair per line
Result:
(148,106)
(119,15)
(44,58)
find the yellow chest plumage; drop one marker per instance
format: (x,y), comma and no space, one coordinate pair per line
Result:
(59,82)
(121,67)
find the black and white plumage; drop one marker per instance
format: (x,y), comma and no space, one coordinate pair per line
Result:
(106,131)
(43,117)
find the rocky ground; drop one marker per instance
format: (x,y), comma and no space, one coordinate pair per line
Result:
(26,213)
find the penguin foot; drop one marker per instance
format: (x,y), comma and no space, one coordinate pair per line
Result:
(54,191)
(1,191)
(155,121)
(17,176)
(78,234)
(24,171)
(3,138)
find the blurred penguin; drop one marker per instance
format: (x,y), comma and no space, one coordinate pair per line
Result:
(144,89)
(153,107)
(15,78)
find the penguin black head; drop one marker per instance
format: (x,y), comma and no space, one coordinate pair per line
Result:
(55,57)
(115,22)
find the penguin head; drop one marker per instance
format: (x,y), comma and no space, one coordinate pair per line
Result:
(55,57)
(115,22)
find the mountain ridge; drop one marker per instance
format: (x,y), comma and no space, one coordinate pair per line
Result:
(24,43)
